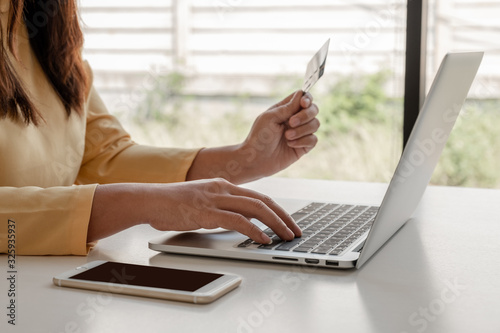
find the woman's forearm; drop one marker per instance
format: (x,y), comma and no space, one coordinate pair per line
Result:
(186,206)
(115,207)
(233,163)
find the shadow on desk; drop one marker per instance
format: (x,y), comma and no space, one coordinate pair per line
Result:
(393,286)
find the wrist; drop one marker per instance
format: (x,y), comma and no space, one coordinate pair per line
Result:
(233,163)
(240,168)
(116,207)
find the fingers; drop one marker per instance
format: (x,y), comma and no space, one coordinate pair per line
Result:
(248,208)
(237,222)
(266,210)
(295,109)
(228,206)
(305,115)
(303,136)
(283,110)
(306,100)
(307,142)
(303,126)
(302,131)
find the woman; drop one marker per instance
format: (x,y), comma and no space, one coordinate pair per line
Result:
(70,175)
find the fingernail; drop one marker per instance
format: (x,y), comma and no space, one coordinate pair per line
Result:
(290,135)
(290,233)
(294,122)
(308,101)
(266,239)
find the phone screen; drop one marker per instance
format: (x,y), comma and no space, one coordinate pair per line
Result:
(147,276)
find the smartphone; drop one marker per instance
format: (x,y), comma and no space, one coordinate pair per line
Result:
(149,281)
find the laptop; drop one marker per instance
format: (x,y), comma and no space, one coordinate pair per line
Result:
(345,236)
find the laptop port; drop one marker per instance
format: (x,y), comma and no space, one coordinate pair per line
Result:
(312,261)
(287,259)
(332,263)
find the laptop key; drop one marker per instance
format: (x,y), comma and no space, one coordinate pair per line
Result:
(287,246)
(245,243)
(324,227)
(315,240)
(304,249)
(332,242)
(335,252)
(275,240)
(342,233)
(308,232)
(269,232)
(322,250)
(323,234)
(303,224)
(298,216)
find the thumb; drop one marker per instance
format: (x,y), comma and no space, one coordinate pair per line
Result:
(288,107)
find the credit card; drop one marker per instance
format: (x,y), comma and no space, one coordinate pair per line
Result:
(316,67)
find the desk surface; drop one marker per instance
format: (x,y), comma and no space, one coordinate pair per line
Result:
(439,273)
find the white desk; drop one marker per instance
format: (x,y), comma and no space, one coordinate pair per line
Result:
(406,287)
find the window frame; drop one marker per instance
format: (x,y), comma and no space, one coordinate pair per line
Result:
(415,63)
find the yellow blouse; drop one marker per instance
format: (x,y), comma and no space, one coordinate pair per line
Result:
(49,172)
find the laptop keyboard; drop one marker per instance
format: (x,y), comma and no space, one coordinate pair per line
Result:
(326,229)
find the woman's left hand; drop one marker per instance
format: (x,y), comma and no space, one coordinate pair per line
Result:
(281,135)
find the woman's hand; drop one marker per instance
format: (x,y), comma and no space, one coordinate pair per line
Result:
(186,206)
(282,134)
(279,137)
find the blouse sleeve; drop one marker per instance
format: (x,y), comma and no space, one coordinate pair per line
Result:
(112,157)
(42,221)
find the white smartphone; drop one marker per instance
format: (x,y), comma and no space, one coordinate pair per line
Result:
(149,281)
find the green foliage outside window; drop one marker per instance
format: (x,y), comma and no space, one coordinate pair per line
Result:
(360,136)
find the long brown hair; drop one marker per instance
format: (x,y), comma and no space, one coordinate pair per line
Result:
(57,40)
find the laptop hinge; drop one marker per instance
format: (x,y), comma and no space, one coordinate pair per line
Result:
(359,247)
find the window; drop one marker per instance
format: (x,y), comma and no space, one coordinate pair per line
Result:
(196,73)
(472,154)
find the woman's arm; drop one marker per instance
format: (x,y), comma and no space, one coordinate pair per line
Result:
(186,206)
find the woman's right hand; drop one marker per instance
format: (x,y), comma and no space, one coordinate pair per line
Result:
(208,204)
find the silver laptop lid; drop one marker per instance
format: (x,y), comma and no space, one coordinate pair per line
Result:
(424,147)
